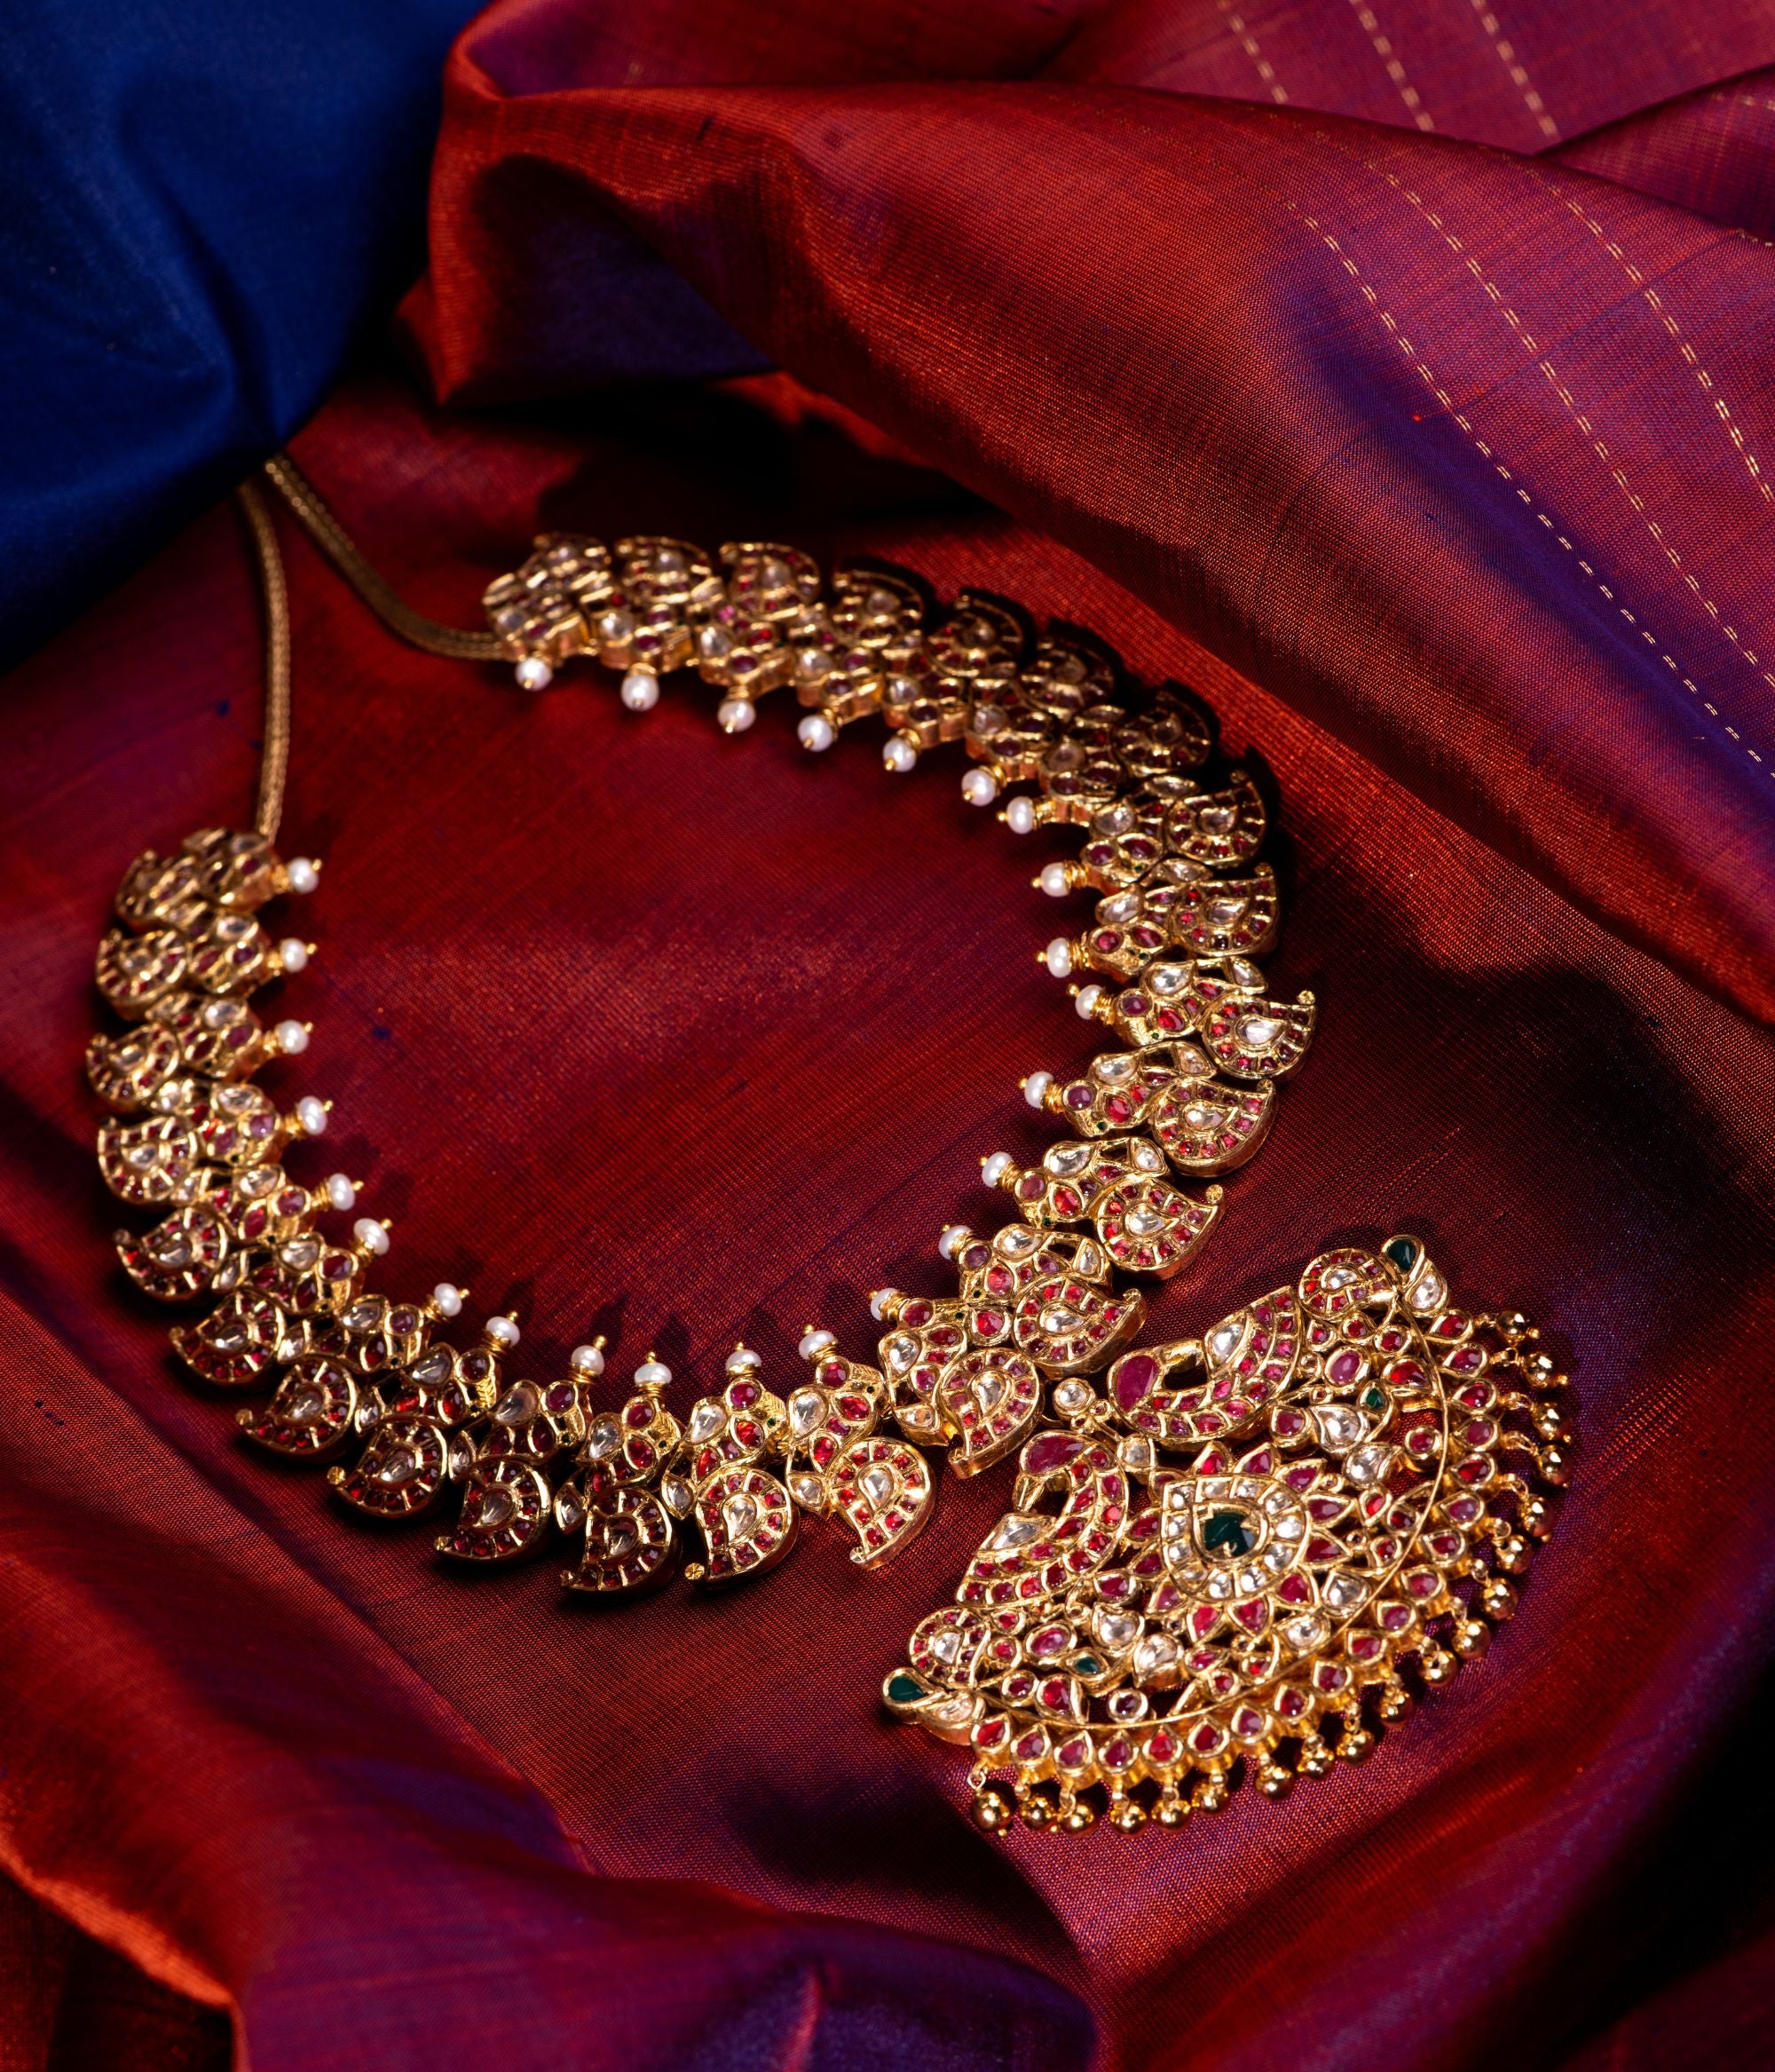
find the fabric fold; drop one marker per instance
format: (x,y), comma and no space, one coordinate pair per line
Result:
(1463,455)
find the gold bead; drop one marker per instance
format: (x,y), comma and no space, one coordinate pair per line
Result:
(992,1809)
(1514,1554)
(1437,1665)
(1274,1782)
(1210,1794)
(1473,1637)
(1078,1817)
(1036,1811)
(1355,1745)
(1171,1810)
(1127,1816)
(1395,1703)
(1498,1599)
(1537,1517)
(1315,1759)
(1555,1466)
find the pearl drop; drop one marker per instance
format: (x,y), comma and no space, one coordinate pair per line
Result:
(980,787)
(1086,1003)
(993,1170)
(898,755)
(741,1360)
(502,1330)
(817,732)
(878,1301)
(956,1234)
(652,1373)
(815,1343)
(293,954)
(735,715)
(446,1299)
(1020,816)
(303,873)
(641,690)
(533,673)
(587,1359)
(371,1235)
(311,1116)
(291,1038)
(1058,956)
(1055,881)
(341,1194)
(1036,1089)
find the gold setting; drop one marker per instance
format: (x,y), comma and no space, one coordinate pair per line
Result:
(1353,1463)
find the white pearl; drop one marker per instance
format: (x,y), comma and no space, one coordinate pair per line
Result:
(898,755)
(311,1116)
(954,1234)
(1055,881)
(371,1235)
(587,1359)
(980,787)
(817,732)
(291,1038)
(814,1343)
(1036,1089)
(879,1300)
(446,1299)
(293,954)
(1057,957)
(652,1373)
(303,873)
(1020,816)
(742,1360)
(1086,1002)
(533,673)
(993,1170)
(341,1194)
(735,715)
(641,690)
(502,1330)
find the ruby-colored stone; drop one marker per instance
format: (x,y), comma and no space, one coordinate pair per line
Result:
(1051,1451)
(1364,1647)
(1345,1367)
(1293,1590)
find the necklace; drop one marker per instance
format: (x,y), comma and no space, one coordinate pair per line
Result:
(1365,1463)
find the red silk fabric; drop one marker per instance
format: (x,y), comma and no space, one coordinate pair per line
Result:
(1430,443)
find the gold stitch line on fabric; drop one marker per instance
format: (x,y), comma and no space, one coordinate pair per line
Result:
(1691,358)
(1617,473)
(1261,65)
(1507,56)
(1395,71)
(1427,376)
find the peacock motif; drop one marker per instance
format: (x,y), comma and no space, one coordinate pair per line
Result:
(1243,1552)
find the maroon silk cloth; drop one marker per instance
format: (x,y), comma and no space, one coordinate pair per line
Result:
(1400,376)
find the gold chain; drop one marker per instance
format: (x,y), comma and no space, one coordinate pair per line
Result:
(380,594)
(274,757)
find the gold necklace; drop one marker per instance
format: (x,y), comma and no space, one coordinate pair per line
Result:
(1364,1460)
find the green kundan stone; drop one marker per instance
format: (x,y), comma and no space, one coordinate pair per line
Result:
(1228,1530)
(1403,1253)
(904,1690)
